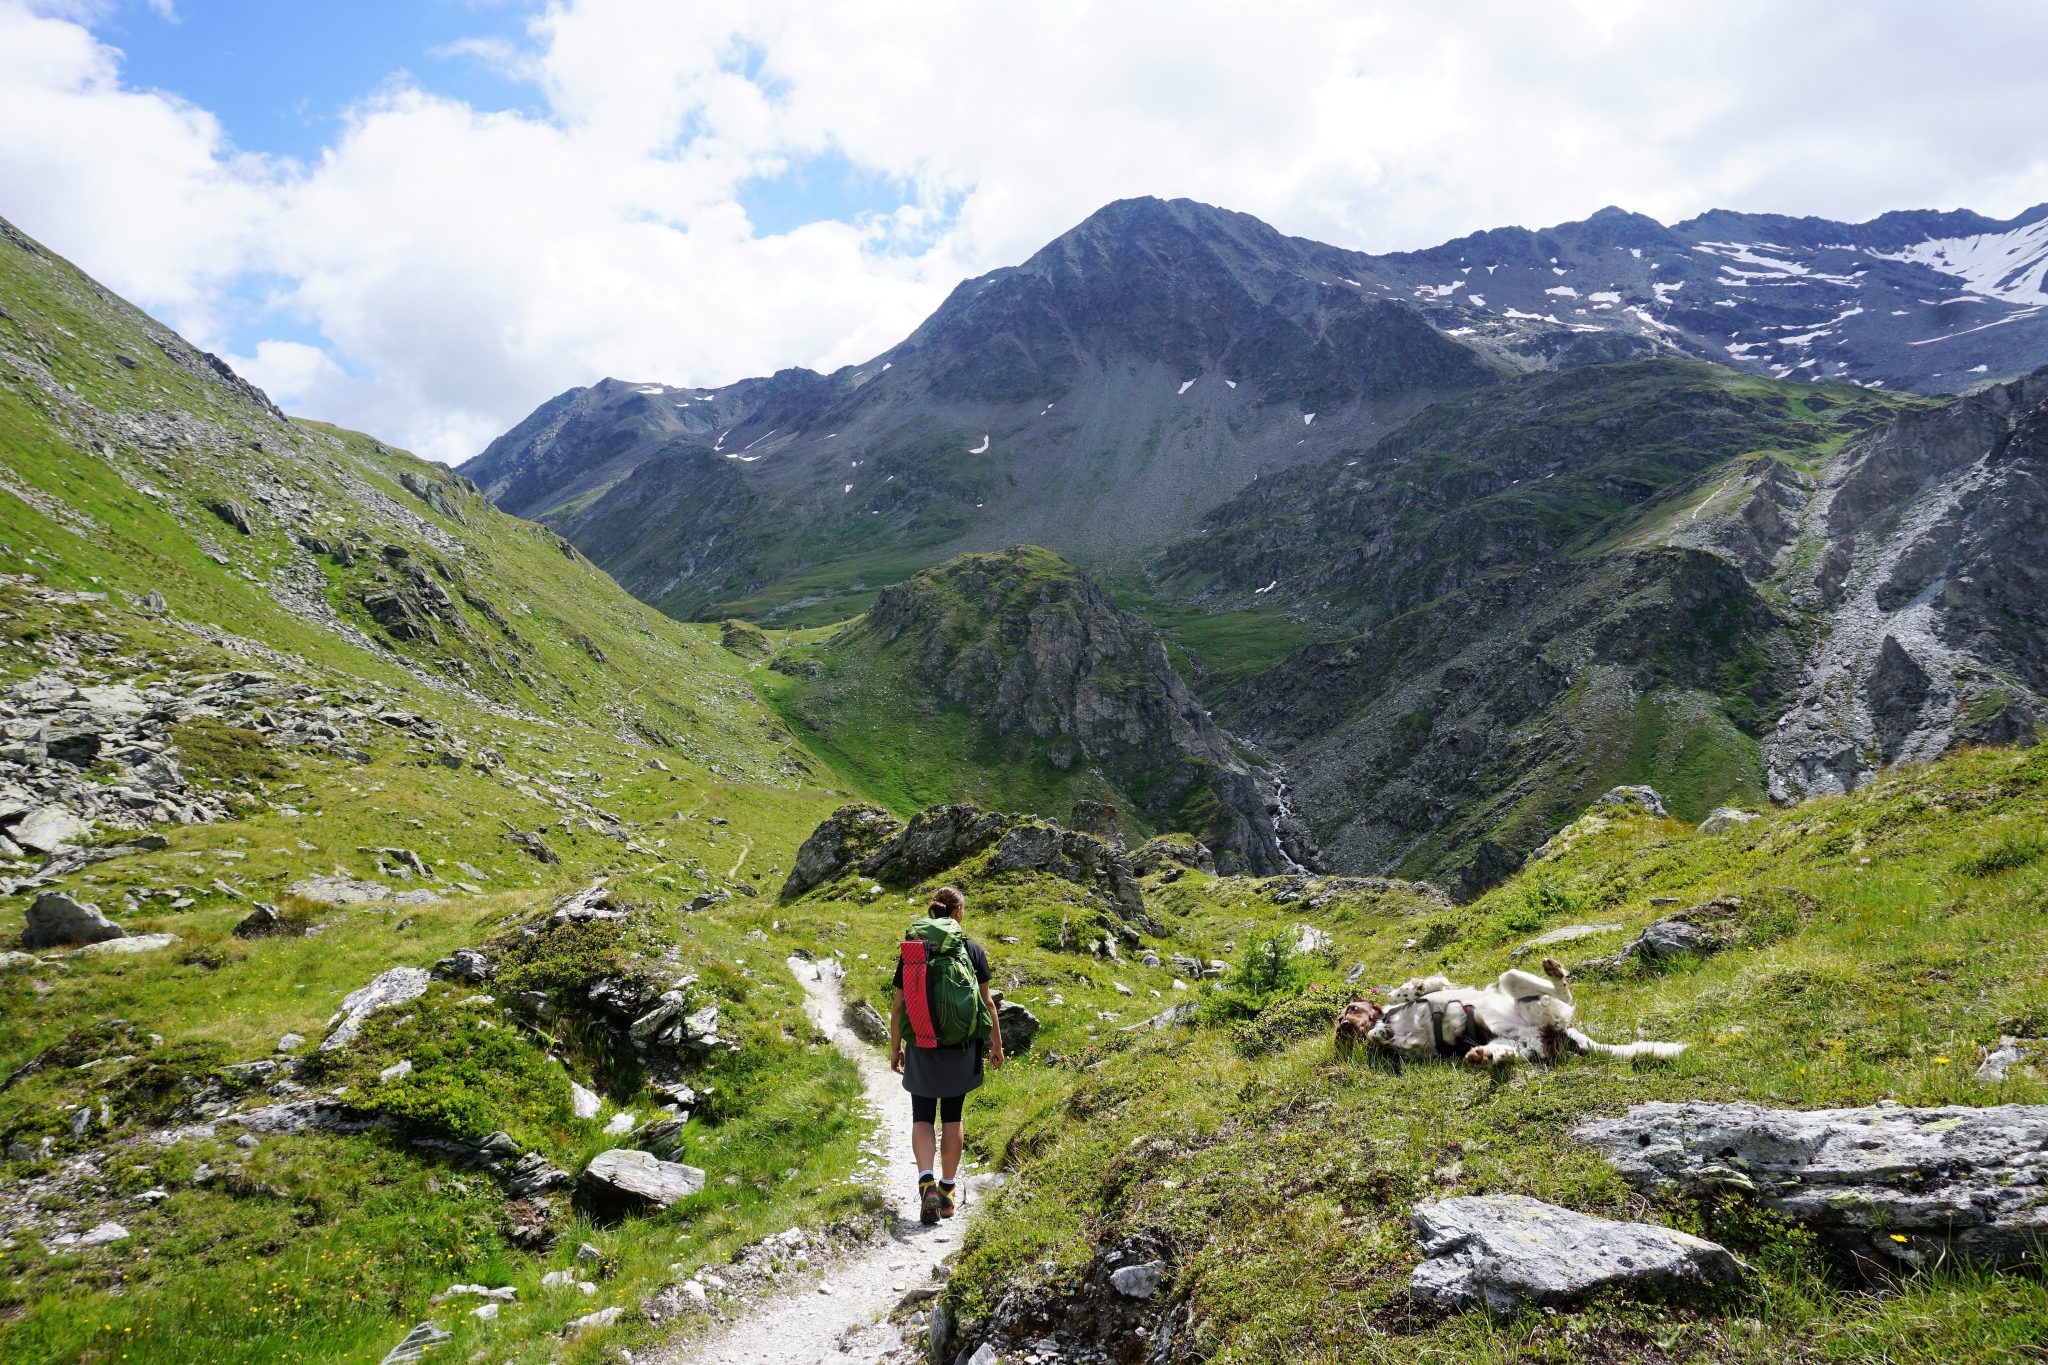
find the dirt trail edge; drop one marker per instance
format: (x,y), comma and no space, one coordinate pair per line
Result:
(840,1315)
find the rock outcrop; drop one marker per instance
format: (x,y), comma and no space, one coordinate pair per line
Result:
(866,840)
(843,839)
(1506,1251)
(1889,1183)
(1055,673)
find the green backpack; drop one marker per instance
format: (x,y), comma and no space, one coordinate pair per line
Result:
(940,993)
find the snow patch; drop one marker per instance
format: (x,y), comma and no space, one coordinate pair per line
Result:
(981,449)
(1185,385)
(1308,419)
(2012,266)
(1261,592)
(1562,291)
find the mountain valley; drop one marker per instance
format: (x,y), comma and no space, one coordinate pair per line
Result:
(450,914)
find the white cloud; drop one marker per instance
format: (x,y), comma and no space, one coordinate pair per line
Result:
(462,264)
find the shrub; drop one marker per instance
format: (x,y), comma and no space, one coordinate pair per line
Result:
(1301,1015)
(1269,969)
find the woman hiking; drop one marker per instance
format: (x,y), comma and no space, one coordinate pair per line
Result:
(943,999)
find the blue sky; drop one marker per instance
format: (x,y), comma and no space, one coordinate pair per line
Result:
(422,219)
(279,73)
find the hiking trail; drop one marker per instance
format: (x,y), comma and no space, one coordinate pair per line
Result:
(839,1316)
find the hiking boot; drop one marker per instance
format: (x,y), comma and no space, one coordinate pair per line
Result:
(929,1202)
(946,1206)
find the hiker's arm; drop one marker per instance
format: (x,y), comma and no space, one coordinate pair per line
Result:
(896,1033)
(995,1028)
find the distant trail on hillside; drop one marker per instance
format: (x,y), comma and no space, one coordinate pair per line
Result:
(841,1314)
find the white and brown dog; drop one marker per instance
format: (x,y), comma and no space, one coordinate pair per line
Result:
(1519,1016)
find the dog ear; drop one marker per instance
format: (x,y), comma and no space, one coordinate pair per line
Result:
(1372,1013)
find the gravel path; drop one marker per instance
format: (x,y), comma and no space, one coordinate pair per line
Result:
(839,1317)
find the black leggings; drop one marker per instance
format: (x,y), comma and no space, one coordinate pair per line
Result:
(924,1108)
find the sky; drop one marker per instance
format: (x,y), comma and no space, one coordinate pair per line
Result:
(422,218)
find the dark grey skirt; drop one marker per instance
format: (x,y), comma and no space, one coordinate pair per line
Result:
(941,1072)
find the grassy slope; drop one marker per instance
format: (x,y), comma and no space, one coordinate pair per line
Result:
(327,1248)
(888,732)
(1910,938)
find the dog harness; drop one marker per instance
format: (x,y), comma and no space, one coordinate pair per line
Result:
(1471,1029)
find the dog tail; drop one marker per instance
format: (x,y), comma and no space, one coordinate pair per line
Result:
(1622,1051)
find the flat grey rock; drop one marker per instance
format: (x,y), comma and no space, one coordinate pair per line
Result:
(626,1179)
(47,829)
(1887,1181)
(393,987)
(339,891)
(416,1343)
(132,943)
(1567,934)
(1501,1251)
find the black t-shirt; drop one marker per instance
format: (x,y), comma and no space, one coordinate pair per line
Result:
(976,954)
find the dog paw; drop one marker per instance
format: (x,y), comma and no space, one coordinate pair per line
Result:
(1479,1056)
(1554,969)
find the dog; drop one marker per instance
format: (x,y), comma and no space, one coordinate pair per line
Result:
(1520,1017)
(1355,1024)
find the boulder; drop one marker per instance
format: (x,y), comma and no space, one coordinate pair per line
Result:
(338,891)
(56,920)
(1725,818)
(262,922)
(467,965)
(593,903)
(1140,1281)
(627,1180)
(1502,1251)
(1888,1182)
(1019,1026)
(1644,799)
(233,513)
(394,987)
(843,838)
(868,1025)
(47,829)
(1675,937)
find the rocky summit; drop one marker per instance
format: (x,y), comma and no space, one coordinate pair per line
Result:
(414,946)
(1104,395)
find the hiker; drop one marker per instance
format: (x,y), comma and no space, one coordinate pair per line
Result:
(951,1017)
